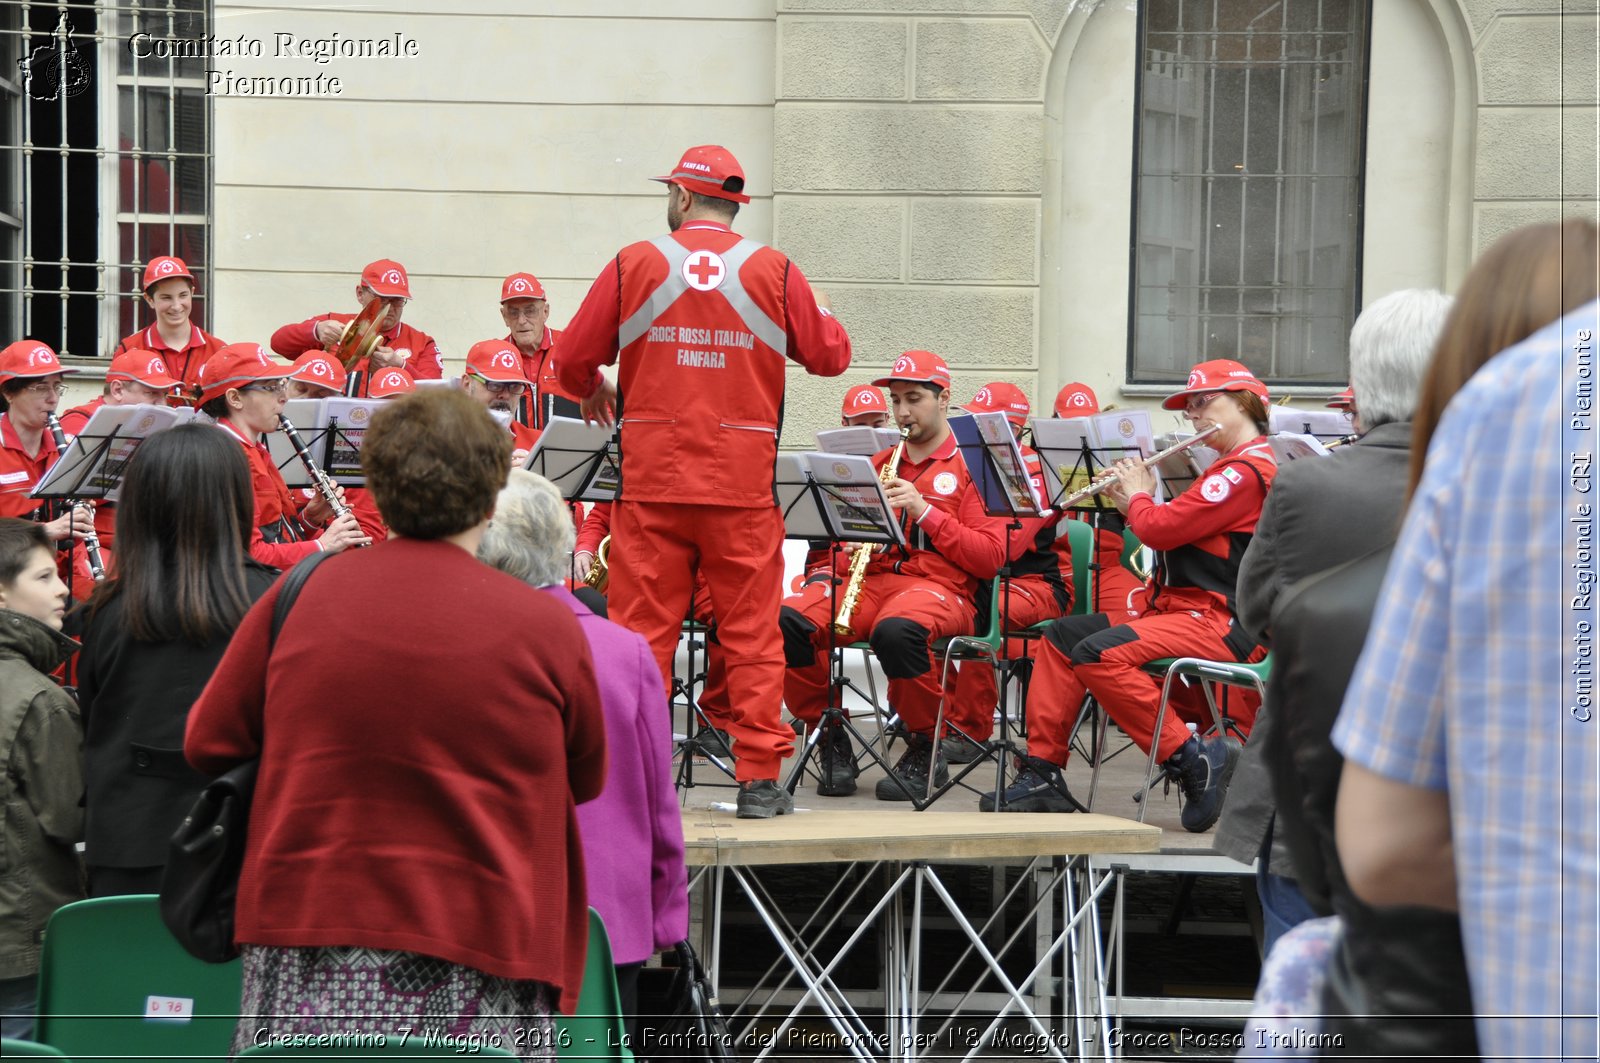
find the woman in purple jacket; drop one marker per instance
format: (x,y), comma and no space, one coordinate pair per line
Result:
(632,833)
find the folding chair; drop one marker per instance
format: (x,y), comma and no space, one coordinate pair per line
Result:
(1225,673)
(596,1031)
(114,983)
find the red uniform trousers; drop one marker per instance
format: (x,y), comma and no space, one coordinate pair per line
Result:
(913,673)
(1118,593)
(1104,659)
(714,700)
(977,694)
(656,549)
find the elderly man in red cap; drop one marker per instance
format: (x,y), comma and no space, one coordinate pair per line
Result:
(494,378)
(401,345)
(909,597)
(169,293)
(703,322)
(525,309)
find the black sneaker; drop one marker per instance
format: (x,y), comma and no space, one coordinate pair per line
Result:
(912,769)
(712,742)
(1038,788)
(959,749)
(836,763)
(1202,769)
(763,799)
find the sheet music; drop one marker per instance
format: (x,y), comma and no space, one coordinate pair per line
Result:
(92,467)
(579,458)
(1061,442)
(856,439)
(995,463)
(1124,428)
(852,499)
(1177,472)
(1324,424)
(1290,446)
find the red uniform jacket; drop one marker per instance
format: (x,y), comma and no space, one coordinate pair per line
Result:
(1201,536)
(19,470)
(425,362)
(703,321)
(547,398)
(955,543)
(184,364)
(73,420)
(408,816)
(277,536)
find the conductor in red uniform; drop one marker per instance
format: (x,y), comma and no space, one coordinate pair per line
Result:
(701,323)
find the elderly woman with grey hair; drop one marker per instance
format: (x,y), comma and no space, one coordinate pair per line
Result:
(632,834)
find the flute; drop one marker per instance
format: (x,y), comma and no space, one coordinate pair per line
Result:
(1100,483)
(91,541)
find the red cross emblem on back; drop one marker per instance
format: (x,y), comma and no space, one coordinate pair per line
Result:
(703,271)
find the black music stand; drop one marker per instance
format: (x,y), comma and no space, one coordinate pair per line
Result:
(999,473)
(838,499)
(1071,465)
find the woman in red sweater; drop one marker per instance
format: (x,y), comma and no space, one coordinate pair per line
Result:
(413,858)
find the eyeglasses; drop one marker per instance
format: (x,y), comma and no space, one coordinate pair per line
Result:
(529,312)
(1199,402)
(279,388)
(501,387)
(42,387)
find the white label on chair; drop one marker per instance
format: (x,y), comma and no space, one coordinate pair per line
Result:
(168,1009)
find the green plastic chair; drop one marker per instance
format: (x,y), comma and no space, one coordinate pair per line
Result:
(1227,673)
(113,982)
(597,1030)
(409,1046)
(12,1047)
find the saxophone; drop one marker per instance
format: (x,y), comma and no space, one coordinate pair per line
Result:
(863,553)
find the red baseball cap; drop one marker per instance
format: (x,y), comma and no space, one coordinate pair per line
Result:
(1001,397)
(863,398)
(921,367)
(391,382)
(1076,400)
(1219,374)
(144,367)
(521,286)
(164,268)
(387,279)
(496,360)
(29,358)
(316,366)
(1344,400)
(710,170)
(236,365)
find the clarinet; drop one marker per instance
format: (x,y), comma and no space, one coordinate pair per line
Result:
(318,477)
(91,541)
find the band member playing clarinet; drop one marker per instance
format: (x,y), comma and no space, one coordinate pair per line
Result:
(1200,537)
(244,390)
(31,387)
(703,322)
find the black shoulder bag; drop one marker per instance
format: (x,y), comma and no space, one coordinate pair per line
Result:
(201,880)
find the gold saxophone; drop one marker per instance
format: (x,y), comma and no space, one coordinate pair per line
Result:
(863,553)
(599,576)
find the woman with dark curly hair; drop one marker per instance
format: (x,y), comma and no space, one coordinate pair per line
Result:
(413,857)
